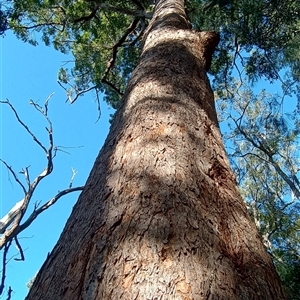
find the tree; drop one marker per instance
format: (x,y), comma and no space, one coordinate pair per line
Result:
(263,152)
(160,215)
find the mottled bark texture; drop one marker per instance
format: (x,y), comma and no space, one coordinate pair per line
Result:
(160,216)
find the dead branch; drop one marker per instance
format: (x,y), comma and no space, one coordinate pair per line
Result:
(15,215)
(10,216)
(10,224)
(38,211)
(23,204)
(74,172)
(9,292)
(4,263)
(10,169)
(19,247)
(24,125)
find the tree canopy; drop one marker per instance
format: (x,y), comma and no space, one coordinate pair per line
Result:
(260,39)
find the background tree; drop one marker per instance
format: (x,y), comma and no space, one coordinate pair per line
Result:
(264,152)
(242,26)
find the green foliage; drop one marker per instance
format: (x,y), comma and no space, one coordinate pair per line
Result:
(3,22)
(289,270)
(263,143)
(262,37)
(90,30)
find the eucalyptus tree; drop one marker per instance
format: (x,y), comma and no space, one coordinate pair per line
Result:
(160,215)
(264,151)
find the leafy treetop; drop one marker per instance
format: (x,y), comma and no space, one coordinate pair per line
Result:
(260,37)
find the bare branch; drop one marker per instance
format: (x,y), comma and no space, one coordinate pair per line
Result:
(10,216)
(10,224)
(9,292)
(62,87)
(16,214)
(23,124)
(81,93)
(25,172)
(10,169)
(74,172)
(19,247)
(59,148)
(4,262)
(52,201)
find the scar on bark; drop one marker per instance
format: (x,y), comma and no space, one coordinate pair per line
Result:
(210,40)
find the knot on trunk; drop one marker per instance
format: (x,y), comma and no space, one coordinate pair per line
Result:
(210,40)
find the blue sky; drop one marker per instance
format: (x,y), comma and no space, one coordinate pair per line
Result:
(30,73)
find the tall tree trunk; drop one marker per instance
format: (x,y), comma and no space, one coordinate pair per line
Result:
(160,216)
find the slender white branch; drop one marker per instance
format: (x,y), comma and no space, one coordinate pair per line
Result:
(10,223)
(10,216)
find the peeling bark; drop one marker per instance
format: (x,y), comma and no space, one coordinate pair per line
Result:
(160,216)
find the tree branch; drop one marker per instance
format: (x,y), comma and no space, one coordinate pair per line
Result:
(16,214)
(4,262)
(19,247)
(270,160)
(10,224)
(10,169)
(110,65)
(45,206)
(9,292)
(115,48)
(10,216)
(112,86)
(23,124)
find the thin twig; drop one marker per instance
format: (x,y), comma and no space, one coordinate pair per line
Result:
(23,124)
(74,172)
(10,169)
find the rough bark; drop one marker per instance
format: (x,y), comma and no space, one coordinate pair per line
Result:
(160,216)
